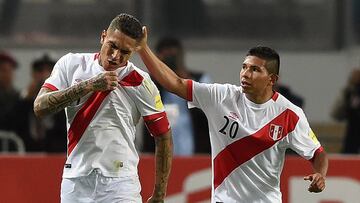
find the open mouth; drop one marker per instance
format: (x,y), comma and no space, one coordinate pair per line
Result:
(113,63)
(245,84)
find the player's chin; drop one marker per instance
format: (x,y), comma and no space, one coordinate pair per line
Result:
(246,89)
(109,67)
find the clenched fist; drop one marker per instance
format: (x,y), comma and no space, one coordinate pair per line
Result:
(104,81)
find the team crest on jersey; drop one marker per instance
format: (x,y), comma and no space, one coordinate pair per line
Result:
(275,132)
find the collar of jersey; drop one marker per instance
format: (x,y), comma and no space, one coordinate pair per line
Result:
(118,70)
(255,105)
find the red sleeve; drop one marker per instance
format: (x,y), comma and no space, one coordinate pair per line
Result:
(157,124)
(189,90)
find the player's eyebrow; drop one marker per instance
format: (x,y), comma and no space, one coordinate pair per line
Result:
(113,44)
(125,51)
(251,65)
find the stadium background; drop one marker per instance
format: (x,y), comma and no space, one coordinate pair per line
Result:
(318,41)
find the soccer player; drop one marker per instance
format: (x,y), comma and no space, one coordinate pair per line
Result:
(104,96)
(250,125)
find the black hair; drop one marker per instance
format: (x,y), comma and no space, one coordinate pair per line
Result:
(41,63)
(168,42)
(270,55)
(127,24)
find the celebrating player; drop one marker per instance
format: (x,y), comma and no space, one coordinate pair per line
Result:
(104,96)
(250,126)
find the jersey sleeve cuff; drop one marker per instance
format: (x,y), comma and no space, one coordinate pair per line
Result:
(50,86)
(189,90)
(317,152)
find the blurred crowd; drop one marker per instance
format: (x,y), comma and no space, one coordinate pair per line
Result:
(347,108)
(189,125)
(46,134)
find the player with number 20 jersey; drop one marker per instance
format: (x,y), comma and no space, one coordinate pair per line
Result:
(249,141)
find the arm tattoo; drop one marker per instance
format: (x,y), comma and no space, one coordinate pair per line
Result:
(48,102)
(98,83)
(163,157)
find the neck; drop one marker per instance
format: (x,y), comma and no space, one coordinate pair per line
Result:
(260,98)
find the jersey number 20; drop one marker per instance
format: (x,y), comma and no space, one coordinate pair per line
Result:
(234,127)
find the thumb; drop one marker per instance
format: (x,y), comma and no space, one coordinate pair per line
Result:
(144,30)
(309,177)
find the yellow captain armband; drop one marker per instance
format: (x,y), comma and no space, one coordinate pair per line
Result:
(313,137)
(158,103)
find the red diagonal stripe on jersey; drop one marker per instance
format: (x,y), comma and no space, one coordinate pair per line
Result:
(83,118)
(133,79)
(246,148)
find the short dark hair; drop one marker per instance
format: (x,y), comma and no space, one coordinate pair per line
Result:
(127,24)
(45,60)
(270,55)
(7,58)
(168,42)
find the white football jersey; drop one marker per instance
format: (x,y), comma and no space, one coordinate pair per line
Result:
(101,125)
(249,141)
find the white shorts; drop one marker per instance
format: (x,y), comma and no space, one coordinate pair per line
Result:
(97,188)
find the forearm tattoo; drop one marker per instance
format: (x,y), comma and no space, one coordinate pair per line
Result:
(99,82)
(52,102)
(163,155)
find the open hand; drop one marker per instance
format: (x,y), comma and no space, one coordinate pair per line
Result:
(143,42)
(317,182)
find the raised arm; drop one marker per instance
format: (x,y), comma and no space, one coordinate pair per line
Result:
(161,72)
(320,166)
(48,101)
(163,159)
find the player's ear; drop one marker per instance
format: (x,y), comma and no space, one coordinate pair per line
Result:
(273,78)
(102,37)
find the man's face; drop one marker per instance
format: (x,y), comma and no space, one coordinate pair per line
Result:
(254,77)
(6,74)
(116,49)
